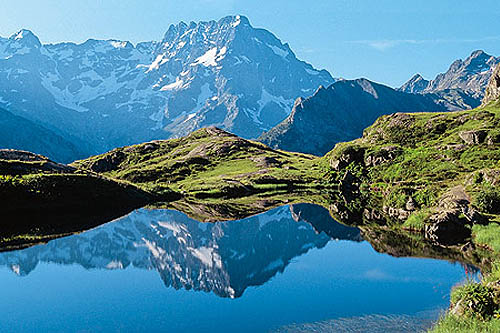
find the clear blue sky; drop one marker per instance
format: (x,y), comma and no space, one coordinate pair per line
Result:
(383,40)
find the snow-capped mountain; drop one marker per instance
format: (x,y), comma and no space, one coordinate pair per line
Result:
(108,93)
(224,257)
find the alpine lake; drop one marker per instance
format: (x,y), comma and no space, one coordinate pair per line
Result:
(292,268)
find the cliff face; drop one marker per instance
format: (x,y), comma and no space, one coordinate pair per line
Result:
(493,89)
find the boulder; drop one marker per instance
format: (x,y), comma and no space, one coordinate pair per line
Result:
(447,228)
(411,205)
(347,156)
(473,137)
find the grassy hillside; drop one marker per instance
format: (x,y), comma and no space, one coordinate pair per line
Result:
(208,163)
(42,199)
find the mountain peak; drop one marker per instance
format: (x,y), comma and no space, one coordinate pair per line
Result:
(478,54)
(470,75)
(225,23)
(26,37)
(235,20)
(416,84)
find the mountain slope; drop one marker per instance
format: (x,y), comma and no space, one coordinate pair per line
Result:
(470,76)
(341,112)
(112,93)
(19,133)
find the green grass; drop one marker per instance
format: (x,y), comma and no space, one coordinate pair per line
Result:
(454,324)
(208,162)
(417,220)
(488,235)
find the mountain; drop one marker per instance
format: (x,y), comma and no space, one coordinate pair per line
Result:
(415,85)
(224,257)
(20,133)
(111,93)
(470,76)
(493,89)
(341,112)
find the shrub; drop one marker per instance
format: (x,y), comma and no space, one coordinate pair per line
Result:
(476,300)
(397,198)
(488,199)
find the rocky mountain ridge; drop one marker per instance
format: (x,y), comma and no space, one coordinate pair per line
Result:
(493,90)
(470,76)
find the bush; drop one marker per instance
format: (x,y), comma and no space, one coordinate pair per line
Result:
(476,300)
(488,199)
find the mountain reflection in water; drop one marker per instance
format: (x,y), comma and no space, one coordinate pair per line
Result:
(224,257)
(290,269)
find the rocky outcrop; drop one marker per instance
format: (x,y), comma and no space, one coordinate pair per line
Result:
(454,213)
(347,155)
(493,89)
(473,137)
(385,155)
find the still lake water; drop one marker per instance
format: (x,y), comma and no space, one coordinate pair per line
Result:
(159,270)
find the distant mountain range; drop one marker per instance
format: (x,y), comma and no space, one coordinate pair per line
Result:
(341,111)
(103,94)
(111,93)
(470,76)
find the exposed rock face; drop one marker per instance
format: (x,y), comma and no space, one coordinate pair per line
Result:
(493,89)
(111,93)
(473,137)
(470,76)
(447,228)
(347,156)
(386,154)
(340,113)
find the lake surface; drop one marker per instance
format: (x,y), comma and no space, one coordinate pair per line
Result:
(159,270)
